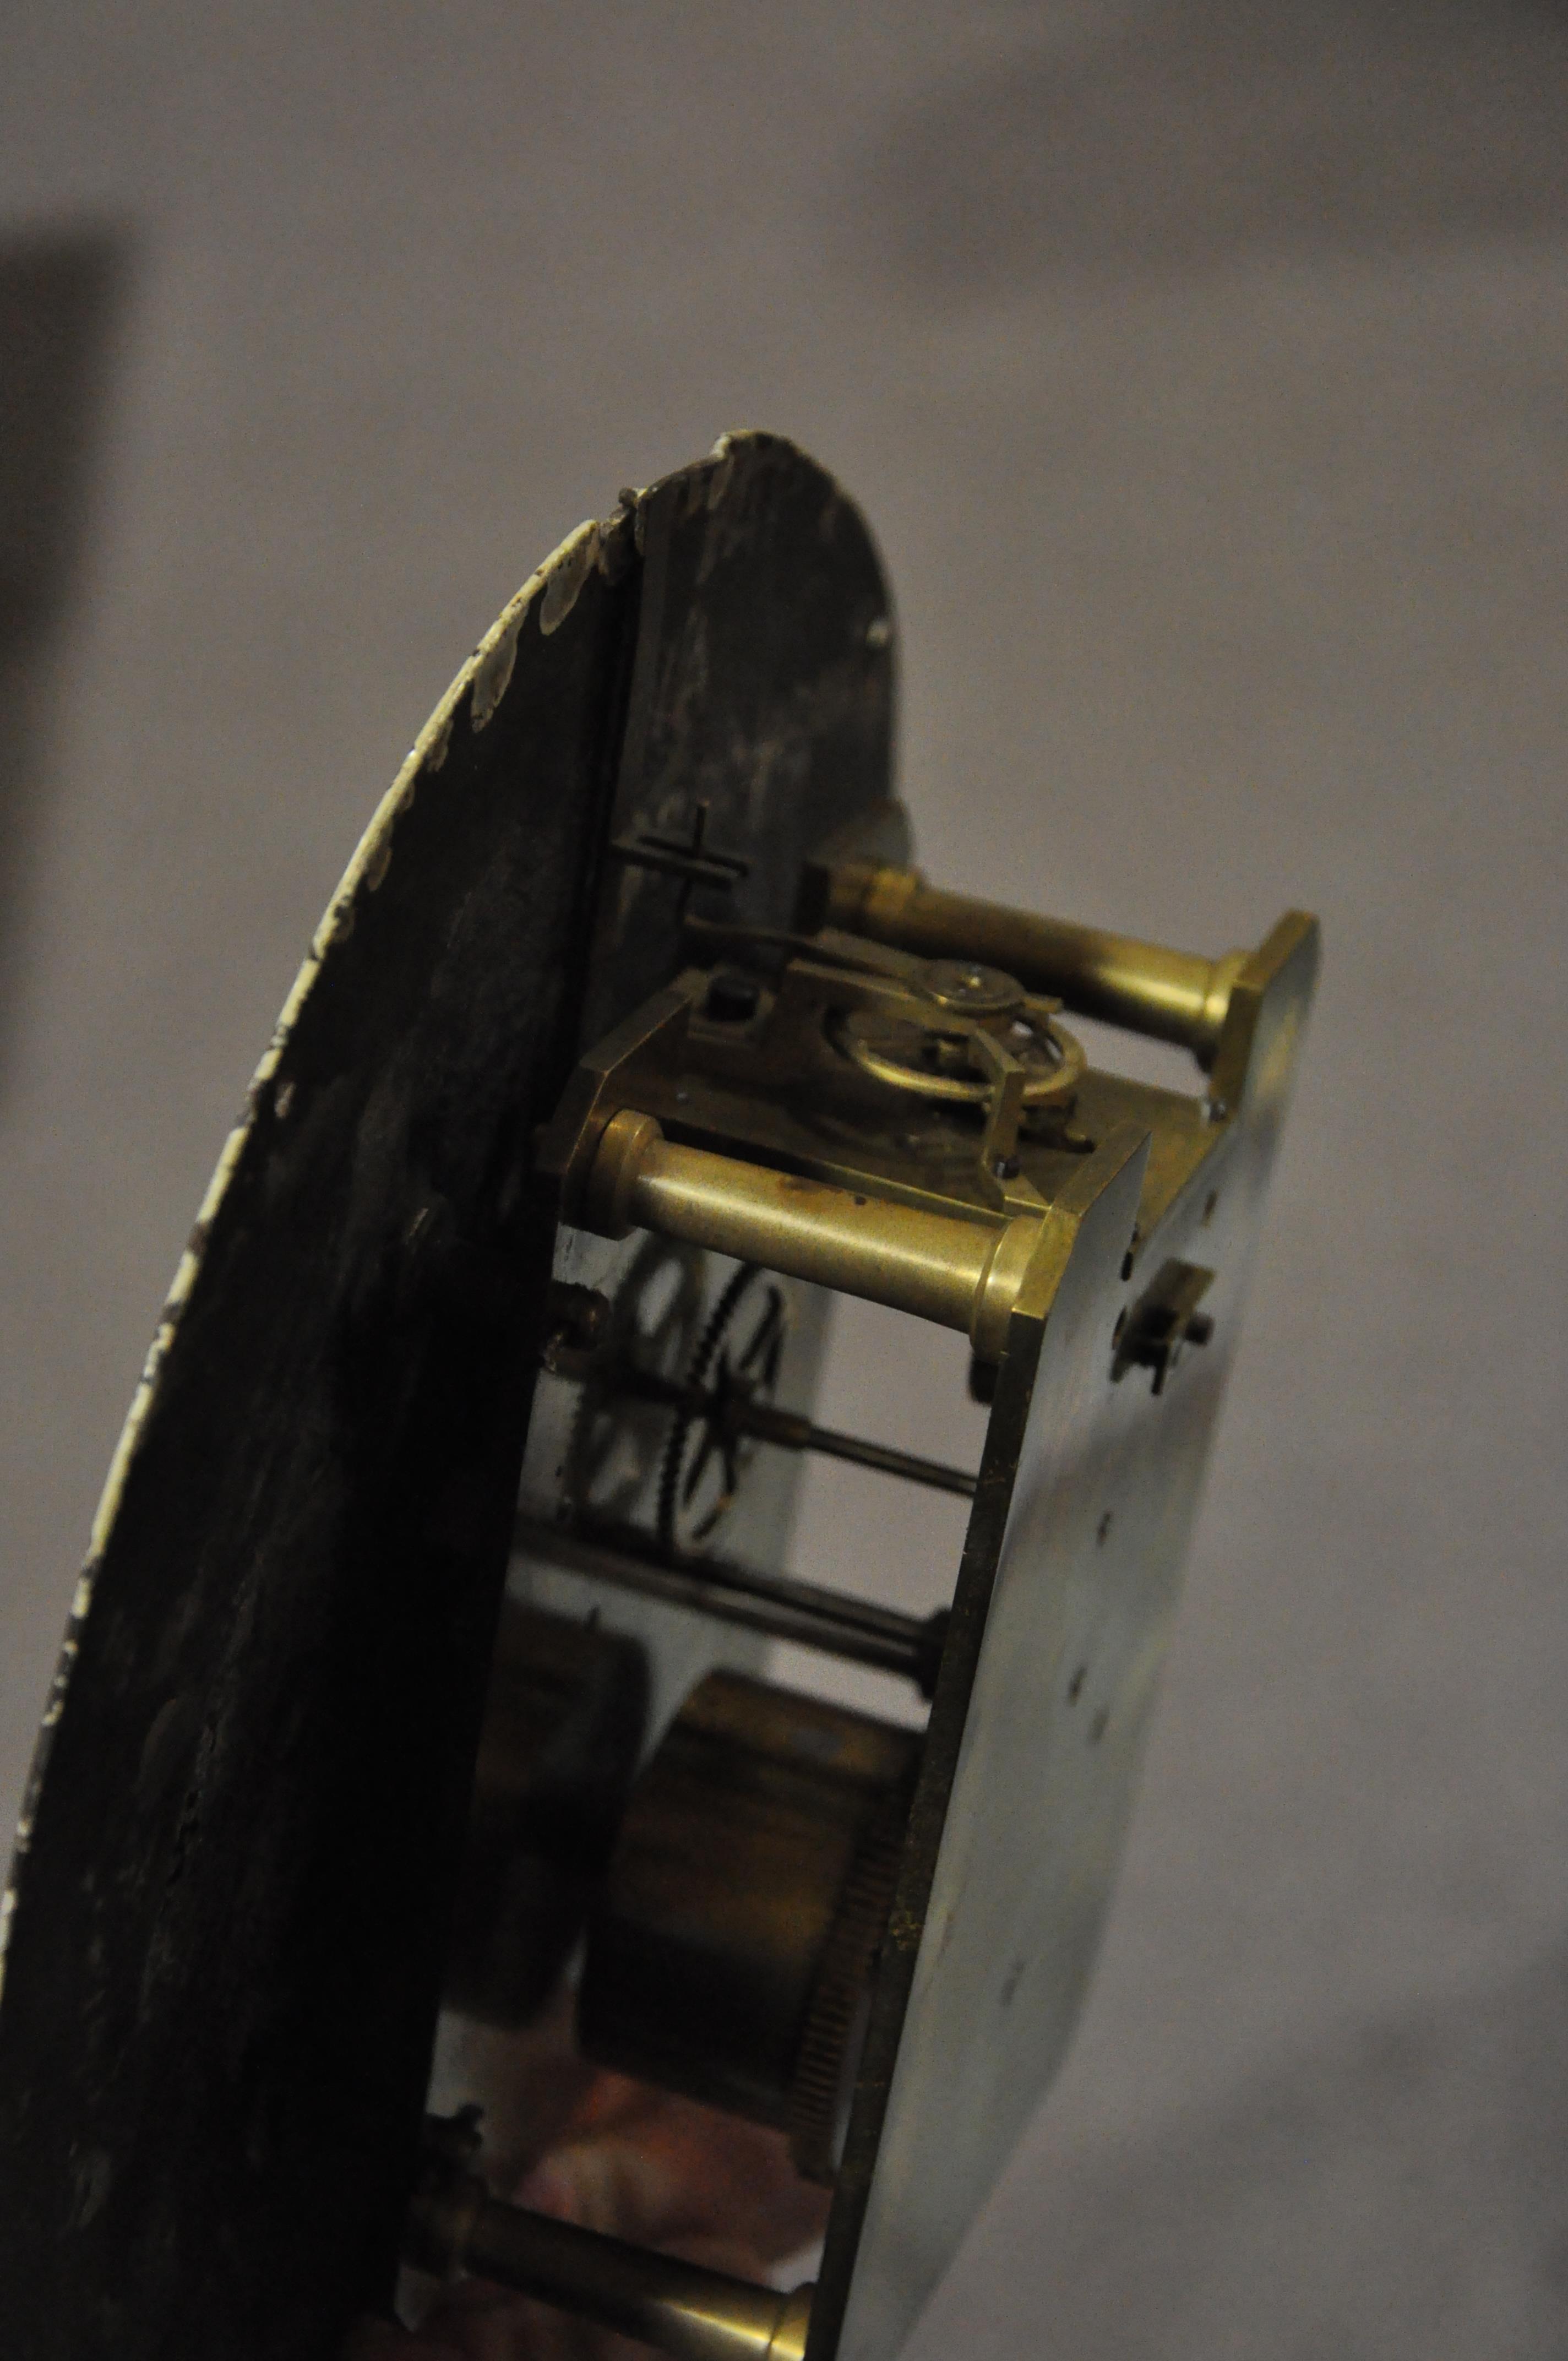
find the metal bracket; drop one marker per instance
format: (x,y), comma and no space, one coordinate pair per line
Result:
(1153,1334)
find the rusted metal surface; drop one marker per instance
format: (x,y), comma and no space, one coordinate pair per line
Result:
(230,1902)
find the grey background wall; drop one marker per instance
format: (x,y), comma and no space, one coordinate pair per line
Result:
(1202,371)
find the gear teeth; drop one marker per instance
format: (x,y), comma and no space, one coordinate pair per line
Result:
(849,1956)
(698,1375)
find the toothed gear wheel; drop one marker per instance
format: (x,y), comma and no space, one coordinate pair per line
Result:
(740,1352)
(615,1448)
(830,2038)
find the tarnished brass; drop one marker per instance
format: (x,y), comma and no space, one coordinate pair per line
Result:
(987,1026)
(454,2226)
(1174,995)
(935,1081)
(849,1114)
(962,1272)
(886,1107)
(744,1904)
(1061,1613)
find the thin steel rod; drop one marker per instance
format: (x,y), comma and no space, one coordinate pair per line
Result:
(791,1432)
(636,1549)
(778,1605)
(800,1434)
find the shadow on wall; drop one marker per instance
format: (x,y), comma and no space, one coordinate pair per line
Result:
(1332,2211)
(1191,136)
(59,296)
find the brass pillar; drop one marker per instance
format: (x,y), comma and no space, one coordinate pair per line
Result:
(961,1274)
(1176,996)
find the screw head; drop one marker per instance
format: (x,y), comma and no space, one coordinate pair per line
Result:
(976,991)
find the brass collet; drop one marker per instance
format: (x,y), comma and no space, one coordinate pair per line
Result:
(959,1272)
